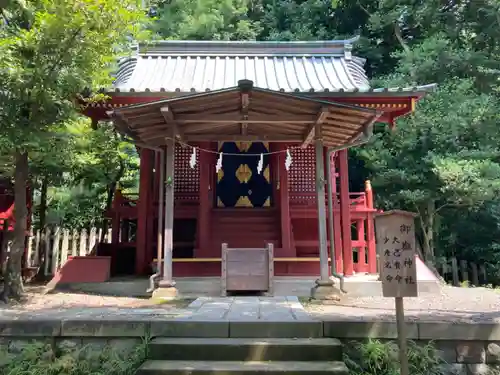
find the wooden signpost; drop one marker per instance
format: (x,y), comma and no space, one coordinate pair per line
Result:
(395,233)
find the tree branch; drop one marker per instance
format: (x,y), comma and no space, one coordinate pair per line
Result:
(61,56)
(363,9)
(452,205)
(399,37)
(4,16)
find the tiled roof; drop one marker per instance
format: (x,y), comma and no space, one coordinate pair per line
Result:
(198,66)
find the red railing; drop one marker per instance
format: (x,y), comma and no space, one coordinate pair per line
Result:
(186,199)
(358,200)
(309,199)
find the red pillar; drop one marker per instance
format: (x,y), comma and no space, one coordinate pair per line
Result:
(143,206)
(203,241)
(287,248)
(370,231)
(345,213)
(360,226)
(337,224)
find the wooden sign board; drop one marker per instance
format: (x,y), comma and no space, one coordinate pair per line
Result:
(395,234)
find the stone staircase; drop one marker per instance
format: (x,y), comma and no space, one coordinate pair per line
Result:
(244,356)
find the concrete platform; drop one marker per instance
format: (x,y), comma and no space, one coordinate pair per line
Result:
(248,309)
(360,285)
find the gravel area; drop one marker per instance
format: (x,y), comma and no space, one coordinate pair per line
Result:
(67,304)
(460,305)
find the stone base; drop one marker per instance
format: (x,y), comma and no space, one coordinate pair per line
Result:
(326,291)
(166,293)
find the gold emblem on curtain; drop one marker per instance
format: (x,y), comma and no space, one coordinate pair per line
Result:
(243,173)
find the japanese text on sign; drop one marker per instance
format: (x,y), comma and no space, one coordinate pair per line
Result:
(396,247)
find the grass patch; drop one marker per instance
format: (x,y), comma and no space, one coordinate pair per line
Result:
(309,301)
(374,357)
(180,303)
(43,359)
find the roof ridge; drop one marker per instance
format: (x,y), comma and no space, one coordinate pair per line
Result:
(248,48)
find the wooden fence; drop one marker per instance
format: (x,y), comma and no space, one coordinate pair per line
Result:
(458,272)
(58,244)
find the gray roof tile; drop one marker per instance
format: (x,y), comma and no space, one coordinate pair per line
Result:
(197,66)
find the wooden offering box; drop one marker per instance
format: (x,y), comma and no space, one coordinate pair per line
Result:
(247,270)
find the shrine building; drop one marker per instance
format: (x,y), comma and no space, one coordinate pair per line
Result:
(245,143)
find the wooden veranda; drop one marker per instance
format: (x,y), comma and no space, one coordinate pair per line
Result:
(243,113)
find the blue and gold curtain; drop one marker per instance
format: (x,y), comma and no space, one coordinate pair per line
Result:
(238,183)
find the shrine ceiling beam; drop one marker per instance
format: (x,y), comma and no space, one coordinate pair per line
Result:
(247,118)
(245,104)
(171,122)
(311,129)
(244,114)
(244,138)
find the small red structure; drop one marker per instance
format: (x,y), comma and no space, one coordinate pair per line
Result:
(7,215)
(237,204)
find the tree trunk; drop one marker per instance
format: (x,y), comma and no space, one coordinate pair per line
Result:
(42,214)
(109,201)
(427,222)
(13,285)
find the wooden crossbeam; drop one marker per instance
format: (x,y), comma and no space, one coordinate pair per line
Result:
(201,127)
(245,103)
(243,138)
(171,121)
(121,122)
(237,118)
(311,129)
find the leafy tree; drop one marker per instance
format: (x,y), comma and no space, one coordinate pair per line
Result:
(205,20)
(50,52)
(445,155)
(100,160)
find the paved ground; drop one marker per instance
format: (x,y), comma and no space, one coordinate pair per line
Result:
(453,304)
(202,309)
(249,309)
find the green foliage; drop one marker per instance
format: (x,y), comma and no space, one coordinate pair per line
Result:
(442,162)
(205,20)
(53,54)
(447,151)
(40,359)
(91,162)
(374,357)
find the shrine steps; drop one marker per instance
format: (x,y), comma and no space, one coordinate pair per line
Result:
(235,356)
(245,227)
(241,368)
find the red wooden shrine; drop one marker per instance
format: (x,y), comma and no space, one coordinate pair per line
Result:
(290,219)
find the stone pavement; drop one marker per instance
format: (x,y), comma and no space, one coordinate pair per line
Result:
(274,309)
(223,309)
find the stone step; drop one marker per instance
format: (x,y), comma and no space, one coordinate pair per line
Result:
(241,368)
(254,349)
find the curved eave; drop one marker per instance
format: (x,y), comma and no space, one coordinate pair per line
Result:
(414,91)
